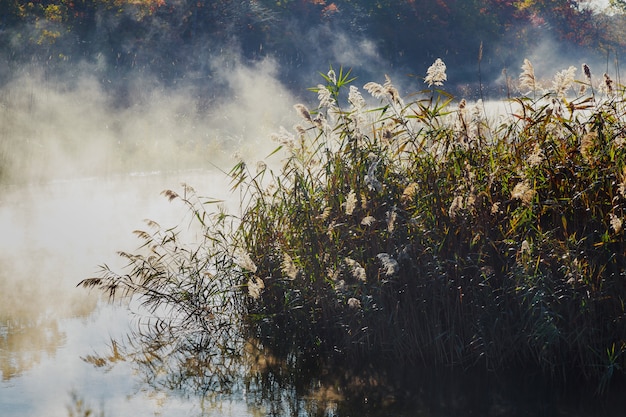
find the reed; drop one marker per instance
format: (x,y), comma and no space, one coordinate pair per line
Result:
(420,232)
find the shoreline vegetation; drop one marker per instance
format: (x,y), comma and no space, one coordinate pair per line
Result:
(418,232)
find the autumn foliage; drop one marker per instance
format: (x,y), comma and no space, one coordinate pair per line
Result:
(172,38)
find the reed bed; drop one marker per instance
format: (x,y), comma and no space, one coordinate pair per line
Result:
(419,231)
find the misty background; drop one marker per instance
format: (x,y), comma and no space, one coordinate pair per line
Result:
(99,87)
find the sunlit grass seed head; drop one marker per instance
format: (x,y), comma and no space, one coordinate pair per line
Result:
(376,90)
(477,111)
(304,112)
(455,207)
(587,72)
(436,73)
(301,130)
(332,76)
(536,157)
(392,92)
(356,270)
(608,86)
(556,130)
(409,192)
(587,145)
(350,203)
(389,264)
(356,99)
(563,81)
(333,275)
(359,273)
(284,138)
(523,192)
(320,122)
(354,303)
(330,230)
(325,213)
(525,247)
(261,166)
(325,97)
(616,223)
(477,122)
(244,261)
(368,220)
(255,287)
(588,82)
(470,201)
(555,108)
(527,80)
(288,267)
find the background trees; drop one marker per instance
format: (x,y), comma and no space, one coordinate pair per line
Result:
(172,40)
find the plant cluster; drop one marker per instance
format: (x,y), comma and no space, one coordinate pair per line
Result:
(421,230)
(418,231)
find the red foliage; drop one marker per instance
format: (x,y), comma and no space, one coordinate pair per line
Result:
(330,9)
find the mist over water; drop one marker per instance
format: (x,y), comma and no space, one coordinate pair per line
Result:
(84,156)
(54,235)
(80,172)
(55,130)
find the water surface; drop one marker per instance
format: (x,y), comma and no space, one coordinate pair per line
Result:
(54,235)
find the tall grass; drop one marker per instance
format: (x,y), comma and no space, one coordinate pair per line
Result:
(418,230)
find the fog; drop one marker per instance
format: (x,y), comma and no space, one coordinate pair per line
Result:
(79,173)
(84,155)
(56,129)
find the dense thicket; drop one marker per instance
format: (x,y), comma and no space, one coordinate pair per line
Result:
(417,233)
(176,40)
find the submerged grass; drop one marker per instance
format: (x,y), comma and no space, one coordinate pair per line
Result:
(417,231)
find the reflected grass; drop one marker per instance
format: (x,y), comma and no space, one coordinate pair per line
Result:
(80,408)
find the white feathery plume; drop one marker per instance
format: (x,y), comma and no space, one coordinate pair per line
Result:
(350,203)
(527,78)
(563,80)
(389,264)
(436,73)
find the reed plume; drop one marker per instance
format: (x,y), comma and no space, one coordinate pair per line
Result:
(527,77)
(436,73)
(563,81)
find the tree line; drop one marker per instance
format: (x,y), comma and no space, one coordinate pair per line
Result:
(174,39)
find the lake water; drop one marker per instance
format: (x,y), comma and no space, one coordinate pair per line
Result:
(52,236)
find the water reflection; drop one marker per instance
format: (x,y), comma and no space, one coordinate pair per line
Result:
(24,343)
(258,381)
(33,292)
(52,236)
